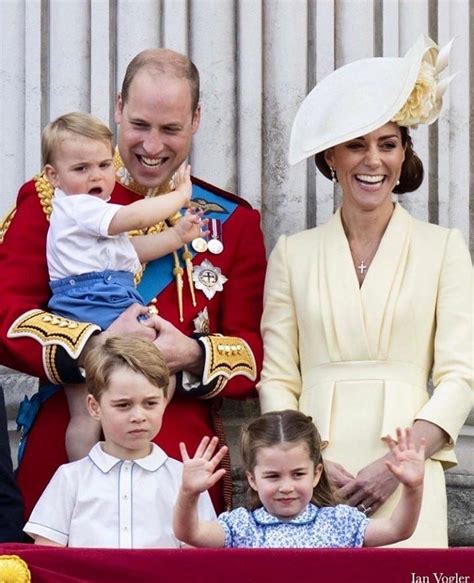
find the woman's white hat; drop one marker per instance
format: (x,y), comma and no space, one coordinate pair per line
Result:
(364,95)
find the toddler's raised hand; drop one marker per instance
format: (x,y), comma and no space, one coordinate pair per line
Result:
(190,226)
(182,183)
(199,472)
(409,465)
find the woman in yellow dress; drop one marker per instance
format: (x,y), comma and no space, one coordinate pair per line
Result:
(361,311)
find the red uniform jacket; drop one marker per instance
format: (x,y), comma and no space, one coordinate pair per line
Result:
(235,311)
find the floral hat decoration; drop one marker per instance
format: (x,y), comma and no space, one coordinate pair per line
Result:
(364,95)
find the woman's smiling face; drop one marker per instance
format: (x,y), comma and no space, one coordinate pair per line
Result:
(368,167)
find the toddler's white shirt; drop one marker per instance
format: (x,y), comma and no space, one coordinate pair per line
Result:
(78,240)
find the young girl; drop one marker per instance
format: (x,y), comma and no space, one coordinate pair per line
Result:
(291,503)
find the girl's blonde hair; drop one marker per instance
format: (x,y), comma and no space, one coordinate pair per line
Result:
(76,123)
(284,427)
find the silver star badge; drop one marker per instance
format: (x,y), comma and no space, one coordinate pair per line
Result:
(208,279)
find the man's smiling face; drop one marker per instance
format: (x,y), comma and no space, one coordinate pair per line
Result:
(156,126)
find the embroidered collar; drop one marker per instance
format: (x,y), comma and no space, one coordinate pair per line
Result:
(124,177)
(261,516)
(105,462)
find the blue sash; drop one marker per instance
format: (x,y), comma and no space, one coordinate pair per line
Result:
(159,273)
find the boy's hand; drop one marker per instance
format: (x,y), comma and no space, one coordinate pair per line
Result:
(199,472)
(190,226)
(409,465)
(182,183)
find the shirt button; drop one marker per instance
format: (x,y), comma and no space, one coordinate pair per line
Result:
(125,497)
(72,281)
(125,527)
(109,278)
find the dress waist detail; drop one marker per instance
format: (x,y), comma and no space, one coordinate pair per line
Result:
(366,370)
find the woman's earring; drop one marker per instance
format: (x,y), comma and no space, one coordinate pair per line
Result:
(333,175)
(398,182)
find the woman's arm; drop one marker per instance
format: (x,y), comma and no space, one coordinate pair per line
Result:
(375,482)
(280,384)
(453,394)
(199,474)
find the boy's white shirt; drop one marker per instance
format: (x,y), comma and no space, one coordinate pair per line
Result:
(78,240)
(102,501)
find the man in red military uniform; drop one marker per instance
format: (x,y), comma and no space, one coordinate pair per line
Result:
(209,297)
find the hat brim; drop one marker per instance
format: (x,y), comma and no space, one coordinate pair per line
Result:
(355,100)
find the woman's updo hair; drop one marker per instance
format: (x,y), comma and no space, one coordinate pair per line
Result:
(412,172)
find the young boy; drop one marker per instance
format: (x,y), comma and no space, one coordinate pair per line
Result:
(92,261)
(122,494)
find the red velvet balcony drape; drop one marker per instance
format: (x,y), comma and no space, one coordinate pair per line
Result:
(52,565)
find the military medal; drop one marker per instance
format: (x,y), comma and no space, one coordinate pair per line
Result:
(208,279)
(199,244)
(215,245)
(201,322)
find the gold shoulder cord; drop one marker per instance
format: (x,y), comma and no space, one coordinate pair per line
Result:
(6,223)
(124,177)
(178,270)
(45,192)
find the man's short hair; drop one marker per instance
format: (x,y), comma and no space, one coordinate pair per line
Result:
(117,352)
(163,62)
(76,123)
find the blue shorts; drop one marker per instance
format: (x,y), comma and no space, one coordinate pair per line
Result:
(98,297)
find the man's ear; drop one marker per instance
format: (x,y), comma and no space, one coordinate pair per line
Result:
(51,175)
(196,119)
(251,480)
(118,109)
(93,406)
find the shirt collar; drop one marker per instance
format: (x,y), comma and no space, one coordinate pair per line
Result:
(261,516)
(105,462)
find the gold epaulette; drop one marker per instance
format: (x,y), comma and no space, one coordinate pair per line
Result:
(13,569)
(225,358)
(45,191)
(6,223)
(49,329)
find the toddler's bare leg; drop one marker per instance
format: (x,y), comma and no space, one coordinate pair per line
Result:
(82,432)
